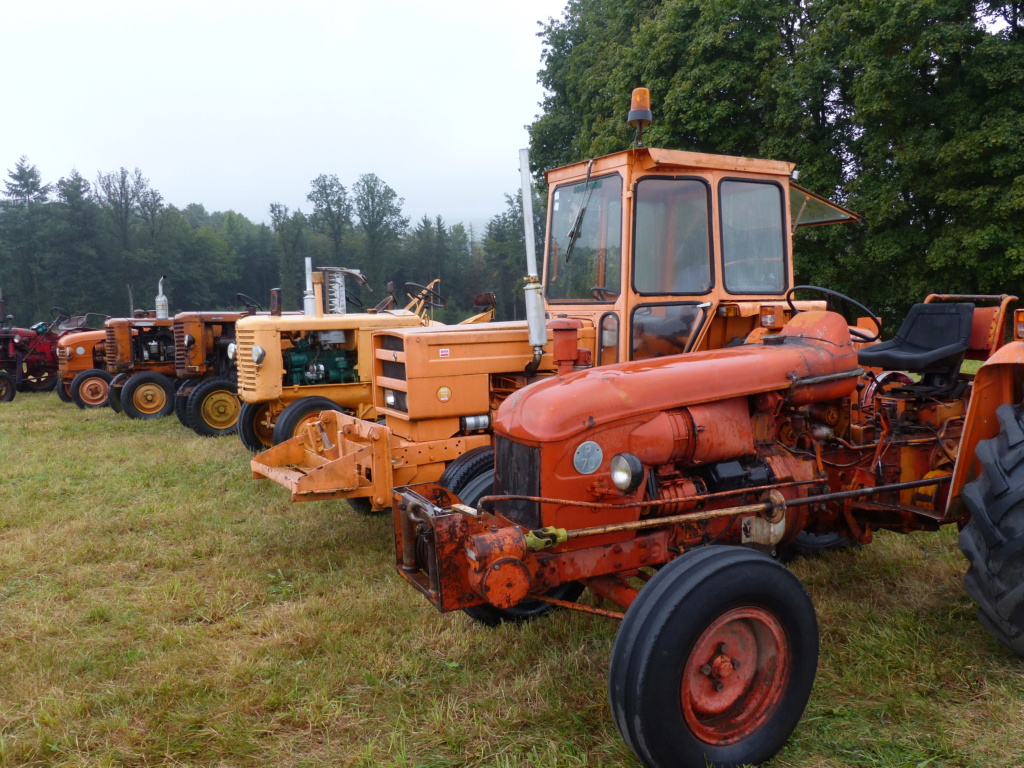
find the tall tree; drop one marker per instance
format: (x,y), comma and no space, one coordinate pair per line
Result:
(332,213)
(381,225)
(25,184)
(291,232)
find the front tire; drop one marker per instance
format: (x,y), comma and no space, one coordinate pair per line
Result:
(114,395)
(147,395)
(296,415)
(213,407)
(253,428)
(714,661)
(39,382)
(993,540)
(181,404)
(90,389)
(64,392)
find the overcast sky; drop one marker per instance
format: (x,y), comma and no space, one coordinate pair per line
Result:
(237,104)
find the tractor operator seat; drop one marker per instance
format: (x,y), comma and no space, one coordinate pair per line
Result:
(931,341)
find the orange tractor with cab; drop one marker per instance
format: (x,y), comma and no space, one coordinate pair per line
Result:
(649,252)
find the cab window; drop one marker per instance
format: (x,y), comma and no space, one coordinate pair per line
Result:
(672,242)
(585,241)
(753,237)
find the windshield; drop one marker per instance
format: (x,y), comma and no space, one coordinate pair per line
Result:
(673,250)
(594,261)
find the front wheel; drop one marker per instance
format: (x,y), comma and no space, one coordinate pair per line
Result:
(296,415)
(147,395)
(255,426)
(64,392)
(714,661)
(39,382)
(993,541)
(89,389)
(213,407)
(114,395)
(8,387)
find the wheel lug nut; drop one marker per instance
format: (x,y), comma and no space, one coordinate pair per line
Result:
(719,686)
(705,669)
(723,648)
(735,663)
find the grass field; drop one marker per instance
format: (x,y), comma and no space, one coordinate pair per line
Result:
(160,608)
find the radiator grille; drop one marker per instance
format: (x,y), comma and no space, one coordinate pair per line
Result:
(110,349)
(518,472)
(244,341)
(180,353)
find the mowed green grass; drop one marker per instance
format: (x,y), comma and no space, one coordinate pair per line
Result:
(160,608)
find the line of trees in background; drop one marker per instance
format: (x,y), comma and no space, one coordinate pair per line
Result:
(102,247)
(911,112)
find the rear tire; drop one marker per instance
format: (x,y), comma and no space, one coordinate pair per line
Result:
(296,415)
(714,661)
(148,395)
(471,477)
(807,544)
(90,389)
(8,387)
(993,540)
(254,433)
(43,382)
(213,407)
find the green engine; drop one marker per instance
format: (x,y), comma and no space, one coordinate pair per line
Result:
(320,359)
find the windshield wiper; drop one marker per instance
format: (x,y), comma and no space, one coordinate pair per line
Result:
(574,233)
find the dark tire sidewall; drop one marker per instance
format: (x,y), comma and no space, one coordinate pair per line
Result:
(294,413)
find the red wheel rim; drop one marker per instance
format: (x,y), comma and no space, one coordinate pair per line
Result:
(735,675)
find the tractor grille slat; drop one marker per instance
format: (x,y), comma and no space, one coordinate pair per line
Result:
(110,349)
(180,353)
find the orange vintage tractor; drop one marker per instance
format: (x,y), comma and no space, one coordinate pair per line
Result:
(664,486)
(649,252)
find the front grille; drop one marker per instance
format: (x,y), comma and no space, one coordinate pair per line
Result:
(180,353)
(110,350)
(63,353)
(244,341)
(518,472)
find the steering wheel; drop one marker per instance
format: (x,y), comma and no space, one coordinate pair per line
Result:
(855,332)
(59,313)
(249,301)
(418,292)
(352,299)
(601,293)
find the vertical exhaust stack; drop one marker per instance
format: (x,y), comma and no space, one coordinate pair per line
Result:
(161,300)
(535,320)
(308,297)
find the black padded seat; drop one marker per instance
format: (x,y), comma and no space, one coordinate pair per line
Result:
(932,339)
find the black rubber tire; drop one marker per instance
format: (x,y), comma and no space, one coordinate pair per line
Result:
(648,676)
(993,541)
(807,544)
(114,395)
(216,417)
(88,386)
(250,431)
(296,414)
(471,477)
(181,404)
(147,395)
(62,392)
(8,387)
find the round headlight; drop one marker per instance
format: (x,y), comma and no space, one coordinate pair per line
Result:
(627,472)
(389,398)
(190,341)
(258,354)
(17,339)
(232,349)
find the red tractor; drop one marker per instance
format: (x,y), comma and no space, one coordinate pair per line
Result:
(28,356)
(665,486)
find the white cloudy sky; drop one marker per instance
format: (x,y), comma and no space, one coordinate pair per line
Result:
(236,104)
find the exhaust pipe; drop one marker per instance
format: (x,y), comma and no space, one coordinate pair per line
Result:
(161,300)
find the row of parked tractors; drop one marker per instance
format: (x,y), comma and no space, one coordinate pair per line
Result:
(667,426)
